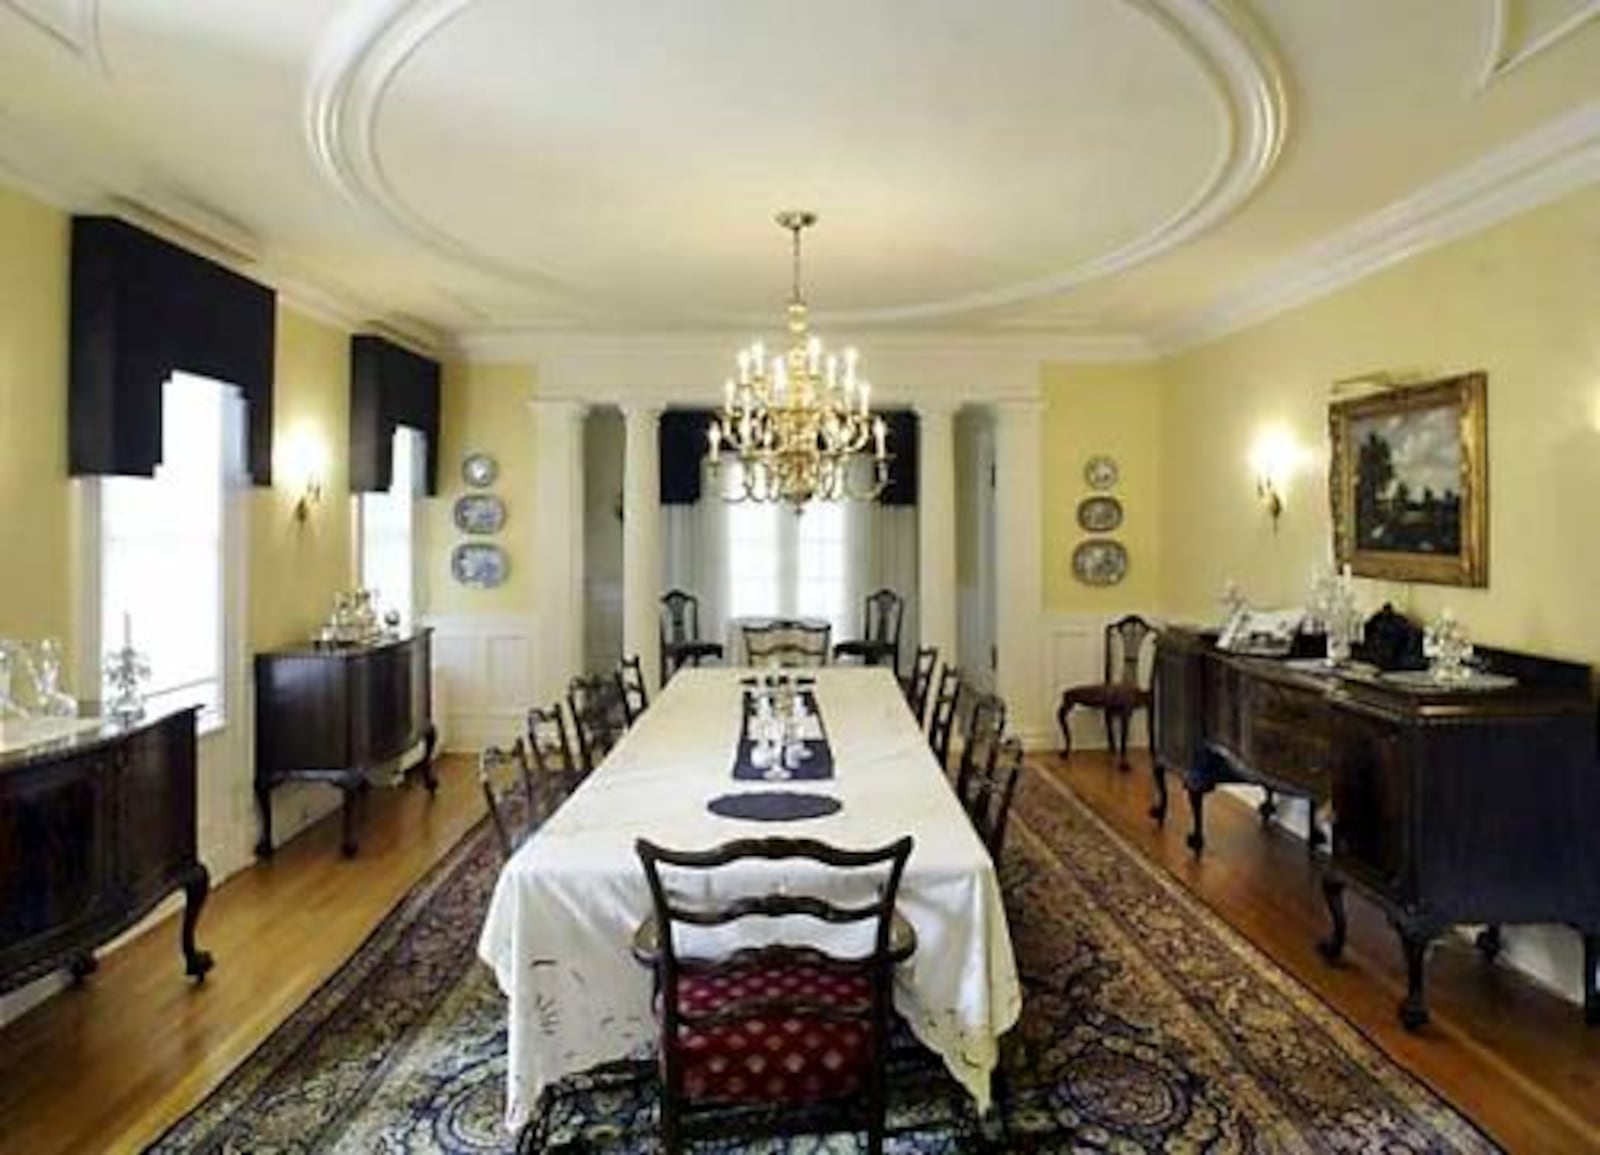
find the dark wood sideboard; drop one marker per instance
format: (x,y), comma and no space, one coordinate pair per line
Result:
(332,714)
(95,830)
(1447,808)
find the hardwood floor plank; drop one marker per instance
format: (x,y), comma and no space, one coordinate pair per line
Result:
(1516,1058)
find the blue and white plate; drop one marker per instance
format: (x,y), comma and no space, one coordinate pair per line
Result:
(479,565)
(480,513)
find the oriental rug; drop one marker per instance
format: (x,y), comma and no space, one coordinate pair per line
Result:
(1148,1025)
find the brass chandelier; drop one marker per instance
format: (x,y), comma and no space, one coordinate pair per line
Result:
(799,424)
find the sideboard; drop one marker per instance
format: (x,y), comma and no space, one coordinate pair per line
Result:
(1447,806)
(96,827)
(332,714)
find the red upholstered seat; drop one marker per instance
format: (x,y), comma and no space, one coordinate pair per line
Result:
(763,1046)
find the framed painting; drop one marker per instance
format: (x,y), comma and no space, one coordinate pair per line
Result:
(1409,483)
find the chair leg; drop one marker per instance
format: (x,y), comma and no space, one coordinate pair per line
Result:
(1110,718)
(1063,716)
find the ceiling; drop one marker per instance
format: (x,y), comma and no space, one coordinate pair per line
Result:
(1079,167)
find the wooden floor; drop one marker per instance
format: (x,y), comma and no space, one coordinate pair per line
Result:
(109,1066)
(1518,1060)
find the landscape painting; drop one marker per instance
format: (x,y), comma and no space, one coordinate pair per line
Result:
(1409,482)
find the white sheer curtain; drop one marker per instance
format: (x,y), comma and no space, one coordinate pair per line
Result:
(822,563)
(694,541)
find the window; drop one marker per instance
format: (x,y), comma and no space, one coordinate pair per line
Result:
(162,549)
(821,553)
(388,528)
(787,564)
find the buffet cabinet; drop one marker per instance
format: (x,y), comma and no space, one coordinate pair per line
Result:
(331,715)
(96,828)
(1447,806)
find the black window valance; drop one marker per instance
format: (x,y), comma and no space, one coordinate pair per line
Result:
(682,445)
(141,310)
(389,386)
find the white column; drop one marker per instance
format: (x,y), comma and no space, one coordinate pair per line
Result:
(558,517)
(1019,563)
(641,538)
(936,528)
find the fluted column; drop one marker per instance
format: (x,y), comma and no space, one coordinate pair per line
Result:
(936,528)
(641,537)
(1019,562)
(558,517)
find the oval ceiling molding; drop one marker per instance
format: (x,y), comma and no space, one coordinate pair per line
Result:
(358,64)
(70,24)
(1509,45)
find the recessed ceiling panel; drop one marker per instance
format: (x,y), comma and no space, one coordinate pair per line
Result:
(635,151)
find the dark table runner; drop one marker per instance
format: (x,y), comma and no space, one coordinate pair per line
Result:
(815,768)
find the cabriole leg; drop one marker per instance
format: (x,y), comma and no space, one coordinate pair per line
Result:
(1414,1007)
(1333,895)
(195,889)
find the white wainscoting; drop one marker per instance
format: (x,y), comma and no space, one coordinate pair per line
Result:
(482,677)
(1074,655)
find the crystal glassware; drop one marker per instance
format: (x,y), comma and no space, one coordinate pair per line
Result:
(45,666)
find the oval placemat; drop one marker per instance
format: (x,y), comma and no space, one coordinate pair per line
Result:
(774,806)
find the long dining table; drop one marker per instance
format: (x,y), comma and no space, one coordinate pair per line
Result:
(567,903)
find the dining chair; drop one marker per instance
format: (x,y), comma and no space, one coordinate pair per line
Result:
(630,684)
(921,682)
(880,623)
(980,739)
(942,718)
(787,1024)
(987,795)
(1124,691)
(598,716)
(508,792)
(681,643)
(791,642)
(557,767)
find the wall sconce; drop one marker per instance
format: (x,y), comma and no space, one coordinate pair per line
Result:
(302,467)
(1274,459)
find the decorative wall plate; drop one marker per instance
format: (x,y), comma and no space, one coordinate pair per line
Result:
(479,470)
(1100,514)
(479,513)
(1100,472)
(1100,562)
(479,565)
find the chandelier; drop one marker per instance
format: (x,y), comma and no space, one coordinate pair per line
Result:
(799,424)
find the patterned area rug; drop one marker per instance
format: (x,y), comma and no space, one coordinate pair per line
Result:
(1148,1025)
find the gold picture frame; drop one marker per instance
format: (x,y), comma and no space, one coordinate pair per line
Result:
(1409,482)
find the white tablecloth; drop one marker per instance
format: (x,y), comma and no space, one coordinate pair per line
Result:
(566,905)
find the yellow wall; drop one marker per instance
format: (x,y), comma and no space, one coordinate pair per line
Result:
(35,499)
(485,408)
(1522,301)
(296,567)
(1113,410)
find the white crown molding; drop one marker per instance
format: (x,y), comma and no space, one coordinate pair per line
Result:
(47,173)
(358,62)
(1557,158)
(1501,58)
(689,368)
(78,34)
